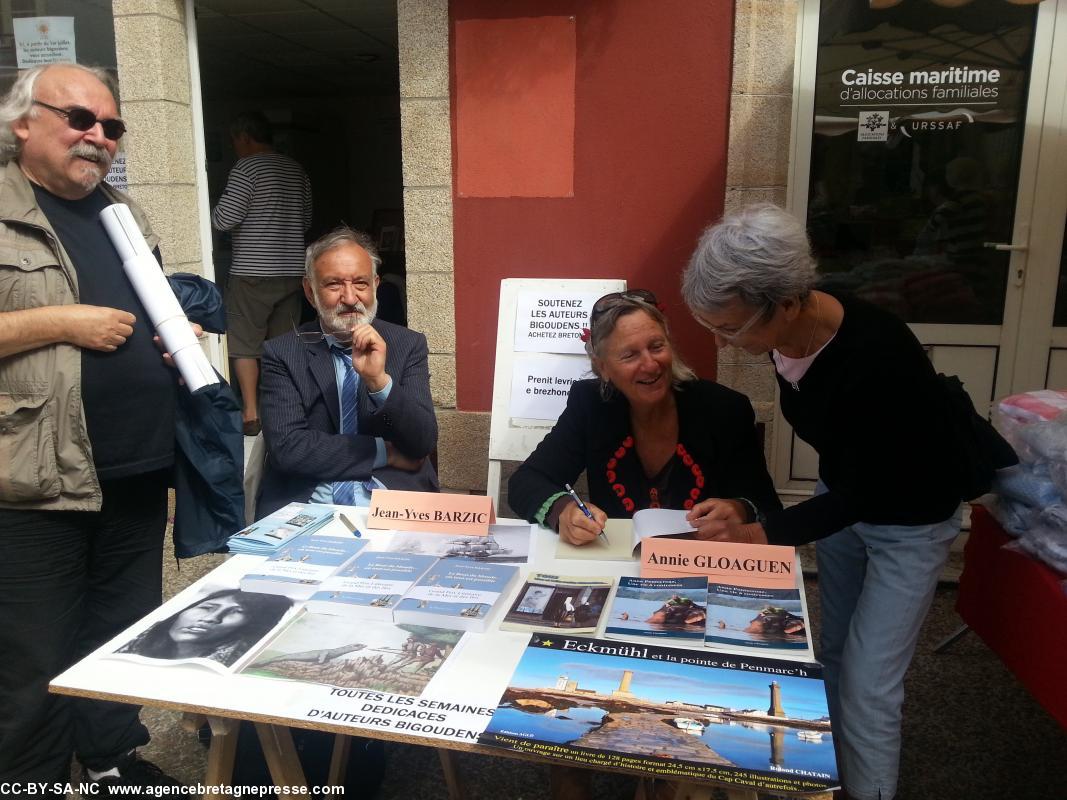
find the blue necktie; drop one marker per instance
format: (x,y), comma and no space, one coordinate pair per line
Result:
(344,492)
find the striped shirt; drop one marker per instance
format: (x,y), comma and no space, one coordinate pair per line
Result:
(267,205)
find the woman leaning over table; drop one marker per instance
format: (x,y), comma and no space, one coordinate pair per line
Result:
(646,431)
(854,383)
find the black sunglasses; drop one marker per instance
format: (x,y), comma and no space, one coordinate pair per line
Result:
(82,119)
(610,301)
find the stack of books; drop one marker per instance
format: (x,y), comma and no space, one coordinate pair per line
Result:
(299,568)
(453,593)
(370,586)
(266,536)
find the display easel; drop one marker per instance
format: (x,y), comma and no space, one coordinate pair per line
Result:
(511,438)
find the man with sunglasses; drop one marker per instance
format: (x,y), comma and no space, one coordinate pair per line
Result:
(87,410)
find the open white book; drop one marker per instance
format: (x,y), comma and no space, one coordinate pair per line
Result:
(624,535)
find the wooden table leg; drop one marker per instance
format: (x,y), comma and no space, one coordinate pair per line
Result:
(342,746)
(220,754)
(282,760)
(451,772)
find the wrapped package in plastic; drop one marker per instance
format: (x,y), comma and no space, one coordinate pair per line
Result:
(1030,501)
(1046,539)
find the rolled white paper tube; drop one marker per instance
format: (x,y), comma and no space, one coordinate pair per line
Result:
(155,294)
(177,334)
(194,368)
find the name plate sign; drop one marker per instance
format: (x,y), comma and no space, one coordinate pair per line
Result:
(765,565)
(429,511)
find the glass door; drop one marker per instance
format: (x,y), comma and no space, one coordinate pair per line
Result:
(1041,352)
(918,129)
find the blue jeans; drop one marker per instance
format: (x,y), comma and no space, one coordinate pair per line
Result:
(876,583)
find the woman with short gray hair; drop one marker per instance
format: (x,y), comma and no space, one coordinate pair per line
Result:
(855,383)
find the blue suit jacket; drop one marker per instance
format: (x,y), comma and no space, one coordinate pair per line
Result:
(301,416)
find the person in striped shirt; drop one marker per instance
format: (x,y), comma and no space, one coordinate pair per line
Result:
(266,206)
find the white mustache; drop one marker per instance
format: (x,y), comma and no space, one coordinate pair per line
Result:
(358,308)
(92,152)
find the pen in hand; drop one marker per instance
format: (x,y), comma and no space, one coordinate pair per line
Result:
(582,507)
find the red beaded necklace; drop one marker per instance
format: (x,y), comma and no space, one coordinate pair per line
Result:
(611,473)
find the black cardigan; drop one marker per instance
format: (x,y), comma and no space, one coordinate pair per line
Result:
(716,427)
(873,408)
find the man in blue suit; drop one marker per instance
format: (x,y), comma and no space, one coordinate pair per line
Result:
(345,400)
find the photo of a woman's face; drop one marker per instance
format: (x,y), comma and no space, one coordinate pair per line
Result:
(208,621)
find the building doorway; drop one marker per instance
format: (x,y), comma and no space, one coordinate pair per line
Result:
(928,161)
(326,75)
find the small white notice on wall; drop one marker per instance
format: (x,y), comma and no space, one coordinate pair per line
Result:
(552,323)
(116,176)
(43,40)
(540,384)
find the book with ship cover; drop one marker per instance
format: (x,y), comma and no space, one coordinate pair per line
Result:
(505,543)
(456,593)
(265,536)
(299,568)
(671,610)
(370,586)
(574,603)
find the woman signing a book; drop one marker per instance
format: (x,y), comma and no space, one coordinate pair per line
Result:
(855,383)
(646,431)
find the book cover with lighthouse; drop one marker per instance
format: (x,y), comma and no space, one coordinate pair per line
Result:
(757,723)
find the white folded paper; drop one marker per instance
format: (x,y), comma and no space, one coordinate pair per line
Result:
(157,297)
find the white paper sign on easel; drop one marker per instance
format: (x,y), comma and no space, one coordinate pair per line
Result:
(540,384)
(116,176)
(552,323)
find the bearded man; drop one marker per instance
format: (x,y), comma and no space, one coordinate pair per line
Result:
(345,400)
(87,416)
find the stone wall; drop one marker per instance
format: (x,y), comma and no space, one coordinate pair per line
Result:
(425,107)
(761,107)
(150,43)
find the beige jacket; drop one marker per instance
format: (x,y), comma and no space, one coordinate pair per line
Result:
(46,460)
